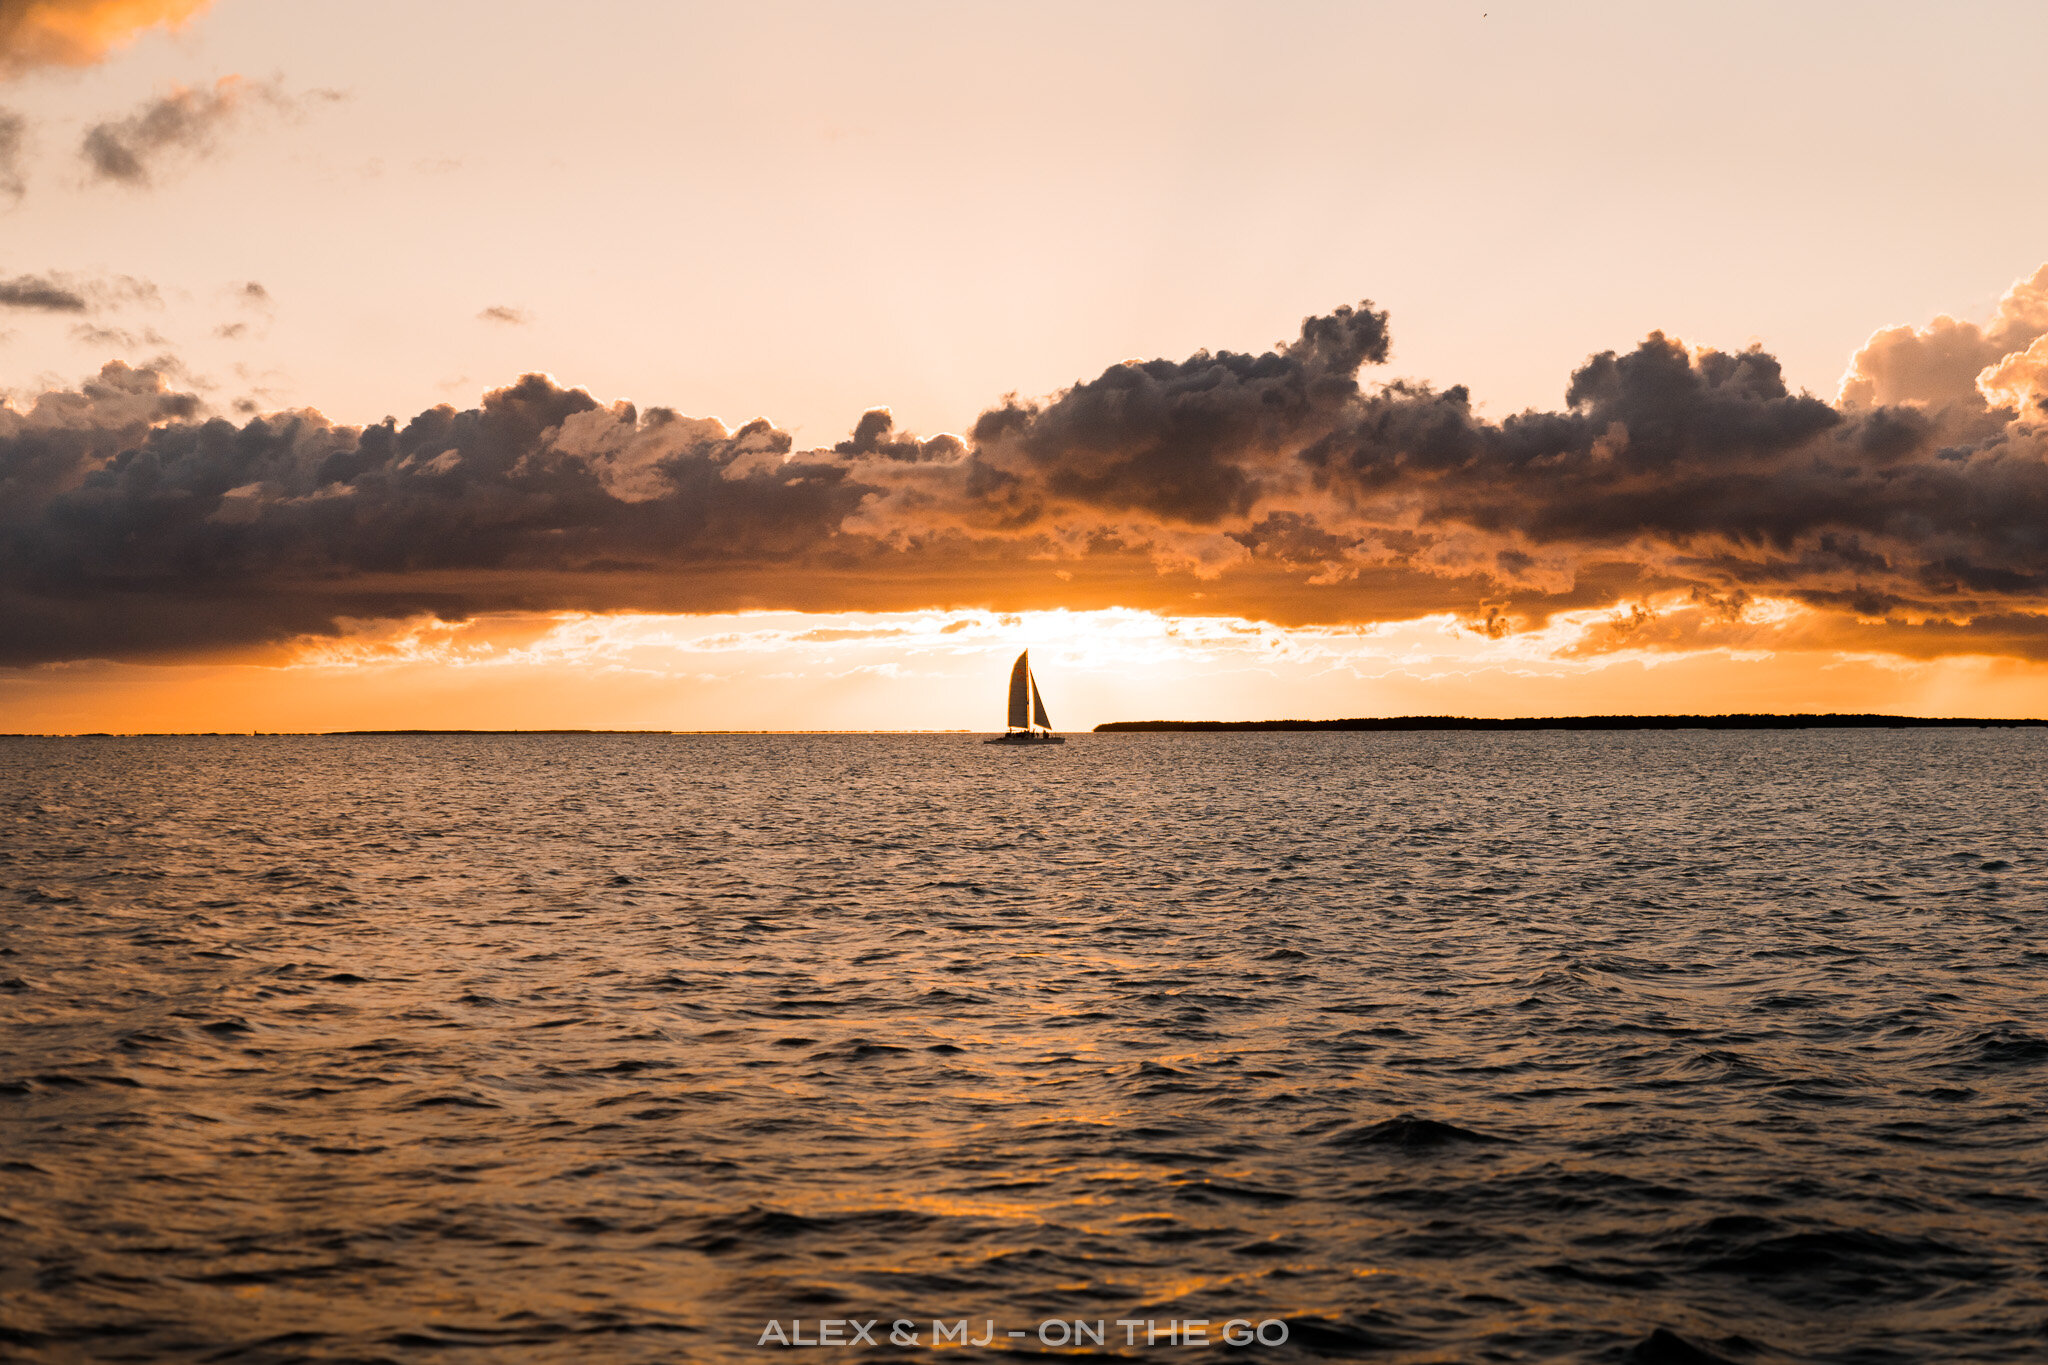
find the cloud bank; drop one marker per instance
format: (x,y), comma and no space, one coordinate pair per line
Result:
(1909,516)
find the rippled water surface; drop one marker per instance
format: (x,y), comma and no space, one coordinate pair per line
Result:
(1440,1047)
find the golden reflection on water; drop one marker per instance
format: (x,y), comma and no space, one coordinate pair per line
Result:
(1437,1047)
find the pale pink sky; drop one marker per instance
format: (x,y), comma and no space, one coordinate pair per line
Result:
(803,210)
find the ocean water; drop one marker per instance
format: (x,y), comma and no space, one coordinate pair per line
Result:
(1441,1047)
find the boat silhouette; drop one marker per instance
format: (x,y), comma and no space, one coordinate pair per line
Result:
(1027,722)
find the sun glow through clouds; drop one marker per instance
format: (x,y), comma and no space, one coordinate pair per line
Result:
(944,670)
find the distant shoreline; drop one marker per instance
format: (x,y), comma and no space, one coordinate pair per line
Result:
(1115,727)
(1727,722)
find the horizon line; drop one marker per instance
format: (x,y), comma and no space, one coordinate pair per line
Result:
(1650,720)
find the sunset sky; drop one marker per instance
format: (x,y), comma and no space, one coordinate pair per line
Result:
(792,366)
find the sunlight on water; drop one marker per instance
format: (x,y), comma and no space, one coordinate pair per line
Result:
(1430,1046)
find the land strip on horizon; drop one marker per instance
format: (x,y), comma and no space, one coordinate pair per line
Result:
(1727,722)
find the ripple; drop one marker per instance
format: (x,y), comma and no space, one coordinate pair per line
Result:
(1654,1047)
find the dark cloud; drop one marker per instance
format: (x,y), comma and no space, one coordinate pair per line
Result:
(185,122)
(42,294)
(1192,441)
(874,437)
(56,293)
(13,150)
(499,313)
(114,498)
(78,32)
(1701,466)
(1275,485)
(251,298)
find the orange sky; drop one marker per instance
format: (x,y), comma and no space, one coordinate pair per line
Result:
(948,670)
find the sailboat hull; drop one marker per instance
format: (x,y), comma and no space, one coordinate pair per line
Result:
(1027,739)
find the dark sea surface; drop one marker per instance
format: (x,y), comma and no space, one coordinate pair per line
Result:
(1656,1047)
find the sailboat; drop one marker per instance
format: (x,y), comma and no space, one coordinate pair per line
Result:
(1028,724)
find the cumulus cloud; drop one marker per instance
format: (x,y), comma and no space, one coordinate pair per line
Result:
(1938,365)
(79,32)
(1193,440)
(184,122)
(1282,486)
(2019,381)
(126,526)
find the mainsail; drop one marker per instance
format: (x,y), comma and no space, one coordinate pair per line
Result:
(1020,693)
